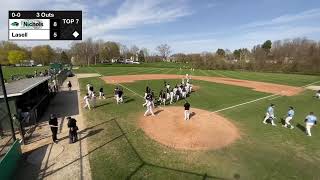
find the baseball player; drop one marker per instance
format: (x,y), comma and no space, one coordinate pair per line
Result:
(87,101)
(116,92)
(270,115)
(149,108)
(168,86)
(164,98)
(101,94)
(175,89)
(171,96)
(318,94)
(186,111)
(69,85)
(93,99)
(182,81)
(289,118)
(178,94)
(184,92)
(148,91)
(88,88)
(167,94)
(310,120)
(120,96)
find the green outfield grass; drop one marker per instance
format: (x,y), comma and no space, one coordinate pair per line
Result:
(279,78)
(119,149)
(9,71)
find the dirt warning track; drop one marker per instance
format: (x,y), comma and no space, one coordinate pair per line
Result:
(283,90)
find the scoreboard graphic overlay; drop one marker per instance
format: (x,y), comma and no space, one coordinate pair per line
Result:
(45,25)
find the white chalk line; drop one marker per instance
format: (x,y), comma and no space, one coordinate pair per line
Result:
(244,103)
(310,84)
(300,86)
(274,96)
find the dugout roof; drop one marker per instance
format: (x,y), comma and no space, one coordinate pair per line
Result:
(18,88)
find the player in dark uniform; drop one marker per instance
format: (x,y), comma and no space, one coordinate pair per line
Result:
(69,85)
(186,111)
(53,123)
(73,128)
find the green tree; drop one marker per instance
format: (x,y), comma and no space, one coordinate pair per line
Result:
(267,46)
(237,53)
(64,57)
(220,52)
(141,56)
(42,54)
(15,56)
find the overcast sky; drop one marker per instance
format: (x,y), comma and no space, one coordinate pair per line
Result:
(186,25)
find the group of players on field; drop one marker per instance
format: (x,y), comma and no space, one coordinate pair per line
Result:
(169,95)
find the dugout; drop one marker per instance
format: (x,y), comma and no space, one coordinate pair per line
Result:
(28,99)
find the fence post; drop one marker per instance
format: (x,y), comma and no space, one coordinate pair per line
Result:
(7,103)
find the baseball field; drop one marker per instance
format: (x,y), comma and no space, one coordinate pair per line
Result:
(225,137)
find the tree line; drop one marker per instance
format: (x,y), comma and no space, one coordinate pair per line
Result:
(11,54)
(290,55)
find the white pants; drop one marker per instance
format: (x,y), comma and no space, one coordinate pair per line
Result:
(87,104)
(149,110)
(145,103)
(171,99)
(168,96)
(287,122)
(177,96)
(308,128)
(163,101)
(318,95)
(184,94)
(101,95)
(186,114)
(267,117)
(119,99)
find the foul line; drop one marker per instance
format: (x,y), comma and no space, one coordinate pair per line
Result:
(244,103)
(300,87)
(310,84)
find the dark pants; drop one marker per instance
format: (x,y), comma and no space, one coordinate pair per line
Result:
(54,131)
(73,136)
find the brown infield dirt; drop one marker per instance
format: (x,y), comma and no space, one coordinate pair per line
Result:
(204,131)
(283,90)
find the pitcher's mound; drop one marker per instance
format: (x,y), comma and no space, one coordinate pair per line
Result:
(205,130)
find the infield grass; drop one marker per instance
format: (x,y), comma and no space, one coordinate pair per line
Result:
(278,78)
(119,149)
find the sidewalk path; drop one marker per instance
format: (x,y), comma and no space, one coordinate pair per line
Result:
(46,160)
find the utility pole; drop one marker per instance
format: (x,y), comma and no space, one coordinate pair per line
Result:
(7,103)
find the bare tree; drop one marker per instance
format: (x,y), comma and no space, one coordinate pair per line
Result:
(164,51)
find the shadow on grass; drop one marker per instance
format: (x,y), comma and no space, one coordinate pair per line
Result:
(302,128)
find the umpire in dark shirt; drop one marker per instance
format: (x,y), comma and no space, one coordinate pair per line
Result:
(53,123)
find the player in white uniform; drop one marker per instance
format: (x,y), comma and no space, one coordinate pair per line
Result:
(149,108)
(289,118)
(310,120)
(87,101)
(171,96)
(270,115)
(101,94)
(318,94)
